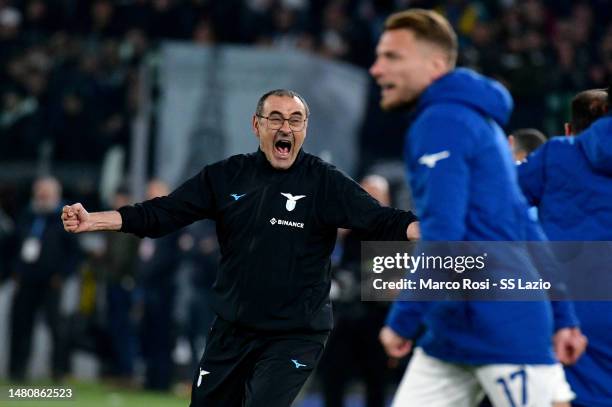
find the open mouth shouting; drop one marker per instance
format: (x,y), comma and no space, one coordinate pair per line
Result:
(386,88)
(282,147)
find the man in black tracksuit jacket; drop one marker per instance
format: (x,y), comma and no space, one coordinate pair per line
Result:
(277,212)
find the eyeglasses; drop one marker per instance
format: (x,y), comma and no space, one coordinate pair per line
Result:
(276,121)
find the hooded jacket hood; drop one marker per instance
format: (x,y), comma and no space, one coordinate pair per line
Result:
(467,87)
(596,143)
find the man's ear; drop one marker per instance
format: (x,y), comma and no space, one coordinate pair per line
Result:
(439,66)
(255,126)
(568,129)
(438,61)
(511,141)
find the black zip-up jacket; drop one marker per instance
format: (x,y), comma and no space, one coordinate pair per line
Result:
(276,231)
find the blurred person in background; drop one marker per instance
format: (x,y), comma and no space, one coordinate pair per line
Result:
(481,53)
(19,125)
(194,316)
(158,261)
(6,230)
(569,180)
(524,141)
(277,212)
(344,37)
(353,349)
(10,30)
(205,258)
(119,263)
(44,257)
(464,15)
(464,186)
(525,61)
(73,131)
(587,106)
(288,30)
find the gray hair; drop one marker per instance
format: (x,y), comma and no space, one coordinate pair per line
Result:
(280,92)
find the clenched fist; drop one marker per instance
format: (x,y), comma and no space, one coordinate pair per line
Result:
(76,219)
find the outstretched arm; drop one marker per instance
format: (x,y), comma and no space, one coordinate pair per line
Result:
(156,217)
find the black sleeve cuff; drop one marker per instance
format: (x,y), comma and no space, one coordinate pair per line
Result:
(129,214)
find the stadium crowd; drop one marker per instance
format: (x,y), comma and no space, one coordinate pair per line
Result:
(69,90)
(69,68)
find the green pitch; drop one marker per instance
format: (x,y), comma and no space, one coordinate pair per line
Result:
(95,395)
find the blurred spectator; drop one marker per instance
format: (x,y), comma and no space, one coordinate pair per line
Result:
(288,30)
(19,125)
(169,19)
(135,15)
(524,141)
(40,21)
(101,24)
(603,73)
(481,53)
(73,132)
(525,64)
(564,76)
(6,230)
(200,251)
(86,321)
(587,106)
(464,15)
(119,262)
(353,348)
(44,256)
(157,264)
(10,26)
(343,37)
(574,177)
(64,64)
(134,46)
(203,33)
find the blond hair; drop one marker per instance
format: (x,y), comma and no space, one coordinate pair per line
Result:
(427,25)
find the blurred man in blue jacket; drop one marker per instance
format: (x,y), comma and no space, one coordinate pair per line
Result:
(587,106)
(465,189)
(570,181)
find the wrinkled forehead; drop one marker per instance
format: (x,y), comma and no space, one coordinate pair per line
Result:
(284,105)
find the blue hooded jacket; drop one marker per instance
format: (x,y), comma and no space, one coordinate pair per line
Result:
(569,179)
(464,184)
